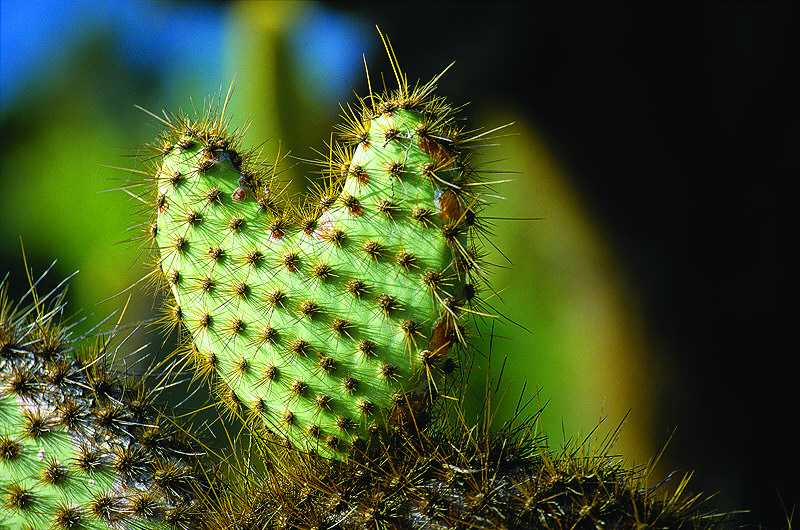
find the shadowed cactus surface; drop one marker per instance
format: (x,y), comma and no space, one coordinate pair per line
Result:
(331,320)
(457,477)
(80,445)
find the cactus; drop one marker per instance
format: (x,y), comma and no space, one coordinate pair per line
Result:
(331,320)
(328,325)
(80,445)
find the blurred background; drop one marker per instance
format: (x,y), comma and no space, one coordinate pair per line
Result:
(653,144)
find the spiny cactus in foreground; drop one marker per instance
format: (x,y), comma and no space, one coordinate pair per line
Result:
(331,320)
(83,447)
(454,477)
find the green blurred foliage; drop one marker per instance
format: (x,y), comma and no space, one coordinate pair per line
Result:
(565,333)
(56,144)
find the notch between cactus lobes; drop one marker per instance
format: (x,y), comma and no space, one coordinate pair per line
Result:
(355,296)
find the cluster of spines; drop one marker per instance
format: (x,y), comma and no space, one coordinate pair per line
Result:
(330,320)
(456,478)
(80,445)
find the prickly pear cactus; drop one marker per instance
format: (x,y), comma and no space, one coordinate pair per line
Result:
(329,324)
(330,321)
(80,447)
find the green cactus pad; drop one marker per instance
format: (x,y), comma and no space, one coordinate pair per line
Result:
(331,321)
(79,446)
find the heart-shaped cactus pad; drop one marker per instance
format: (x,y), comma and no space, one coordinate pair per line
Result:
(330,321)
